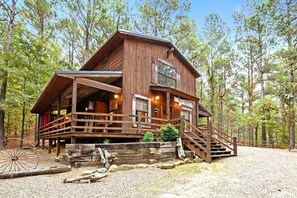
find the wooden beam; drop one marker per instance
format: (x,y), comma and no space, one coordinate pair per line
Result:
(72,76)
(74,95)
(168,105)
(73,140)
(59,107)
(49,145)
(49,113)
(99,85)
(74,101)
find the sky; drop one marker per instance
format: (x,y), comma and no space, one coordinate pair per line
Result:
(225,8)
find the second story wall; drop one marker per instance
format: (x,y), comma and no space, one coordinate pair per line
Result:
(113,61)
(140,59)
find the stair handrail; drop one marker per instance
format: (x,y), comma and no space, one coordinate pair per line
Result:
(222,132)
(224,141)
(207,143)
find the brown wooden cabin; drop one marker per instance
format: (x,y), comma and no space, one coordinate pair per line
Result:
(133,84)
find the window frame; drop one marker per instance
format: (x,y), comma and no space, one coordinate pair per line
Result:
(167,66)
(134,110)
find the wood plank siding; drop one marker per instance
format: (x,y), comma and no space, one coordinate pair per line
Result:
(139,58)
(114,59)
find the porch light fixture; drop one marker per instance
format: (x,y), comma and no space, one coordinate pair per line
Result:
(86,109)
(157,98)
(180,104)
(116,96)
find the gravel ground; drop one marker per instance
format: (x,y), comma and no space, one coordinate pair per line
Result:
(255,172)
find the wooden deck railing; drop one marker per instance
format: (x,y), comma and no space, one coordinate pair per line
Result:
(103,123)
(60,125)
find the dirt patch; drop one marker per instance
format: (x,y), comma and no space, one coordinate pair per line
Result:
(255,172)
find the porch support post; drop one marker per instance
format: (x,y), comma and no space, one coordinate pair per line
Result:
(37,126)
(49,145)
(58,146)
(43,142)
(59,107)
(73,140)
(197,114)
(73,107)
(168,106)
(49,113)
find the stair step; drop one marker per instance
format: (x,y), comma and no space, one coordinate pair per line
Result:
(222,155)
(220,152)
(218,149)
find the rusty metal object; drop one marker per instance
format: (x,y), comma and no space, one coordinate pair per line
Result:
(17,159)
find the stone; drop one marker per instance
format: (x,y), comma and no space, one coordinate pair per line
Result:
(154,151)
(178,163)
(102,170)
(113,168)
(197,160)
(88,172)
(190,154)
(141,166)
(125,167)
(167,166)
(154,165)
(188,161)
(76,164)
(152,161)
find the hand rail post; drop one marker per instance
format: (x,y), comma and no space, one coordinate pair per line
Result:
(235,145)
(182,125)
(138,123)
(208,148)
(73,123)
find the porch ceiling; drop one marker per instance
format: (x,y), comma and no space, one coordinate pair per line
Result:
(61,85)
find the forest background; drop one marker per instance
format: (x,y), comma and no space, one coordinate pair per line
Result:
(248,70)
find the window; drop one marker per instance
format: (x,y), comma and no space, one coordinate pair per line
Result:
(142,109)
(141,105)
(104,66)
(166,75)
(186,114)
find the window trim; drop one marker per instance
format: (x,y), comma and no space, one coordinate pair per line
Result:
(137,96)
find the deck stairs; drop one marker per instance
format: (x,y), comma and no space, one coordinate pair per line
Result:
(208,142)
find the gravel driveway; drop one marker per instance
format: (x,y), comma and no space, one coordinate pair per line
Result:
(255,172)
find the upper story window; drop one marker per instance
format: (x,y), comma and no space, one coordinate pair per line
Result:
(166,75)
(104,66)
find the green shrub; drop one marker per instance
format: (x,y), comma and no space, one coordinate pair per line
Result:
(106,141)
(168,133)
(148,137)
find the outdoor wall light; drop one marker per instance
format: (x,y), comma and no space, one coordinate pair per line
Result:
(157,98)
(116,96)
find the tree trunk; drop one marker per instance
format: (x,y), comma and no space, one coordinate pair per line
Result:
(256,136)
(290,5)
(250,94)
(263,128)
(7,50)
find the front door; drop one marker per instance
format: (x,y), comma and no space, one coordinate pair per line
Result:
(187,113)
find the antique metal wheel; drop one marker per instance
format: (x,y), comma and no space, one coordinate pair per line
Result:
(16,159)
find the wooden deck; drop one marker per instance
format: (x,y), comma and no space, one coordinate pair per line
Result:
(97,125)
